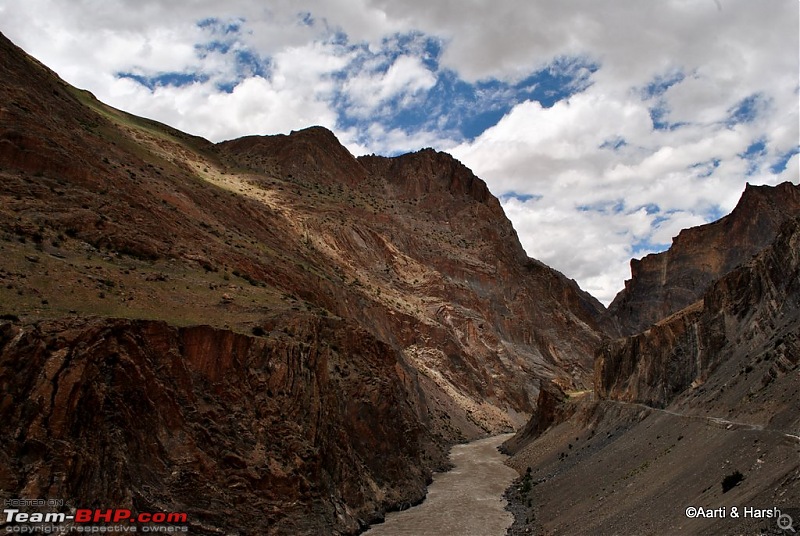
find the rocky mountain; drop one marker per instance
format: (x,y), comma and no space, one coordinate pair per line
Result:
(700,409)
(267,333)
(664,283)
(424,240)
(280,338)
(747,324)
(310,428)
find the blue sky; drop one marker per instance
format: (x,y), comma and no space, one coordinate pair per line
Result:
(604,128)
(420,93)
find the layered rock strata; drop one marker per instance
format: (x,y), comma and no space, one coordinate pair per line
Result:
(664,283)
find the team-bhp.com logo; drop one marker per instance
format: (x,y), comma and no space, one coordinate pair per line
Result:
(87,519)
(87,515)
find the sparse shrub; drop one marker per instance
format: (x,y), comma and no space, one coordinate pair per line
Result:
(731,481)
(258,331)
(526,482)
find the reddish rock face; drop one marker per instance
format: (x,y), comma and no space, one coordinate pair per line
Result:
(664,283)
(445,276)
(274,434)
(359,315)
(749,317)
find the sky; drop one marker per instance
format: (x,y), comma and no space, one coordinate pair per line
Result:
(603,127)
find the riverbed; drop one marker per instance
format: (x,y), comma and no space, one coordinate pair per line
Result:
(468,499)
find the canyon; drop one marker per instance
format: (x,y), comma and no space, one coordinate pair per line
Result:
(705,393)
(277,337)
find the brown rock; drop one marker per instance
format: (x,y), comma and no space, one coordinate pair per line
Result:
(750,315)
(709,392)
(245,433)
(664,283)
(395,309)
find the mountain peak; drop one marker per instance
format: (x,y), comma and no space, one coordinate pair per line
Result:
(316,134)
(312,154)
(427,171)
(663,283)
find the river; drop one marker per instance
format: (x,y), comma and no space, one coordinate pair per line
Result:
(465,500)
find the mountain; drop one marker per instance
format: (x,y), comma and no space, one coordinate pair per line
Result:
(277,337)
(700,409)
(267,333)
(664,283)
(746,327)
(432,253)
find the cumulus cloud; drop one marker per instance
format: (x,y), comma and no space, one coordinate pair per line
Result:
(604,127)
(404,79)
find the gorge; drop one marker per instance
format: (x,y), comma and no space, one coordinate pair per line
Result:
(276,337)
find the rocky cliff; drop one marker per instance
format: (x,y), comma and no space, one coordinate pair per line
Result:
(436,263)
(750,316)
(552,408)
(664,283)
(700,401)
(309,428)
(270,316)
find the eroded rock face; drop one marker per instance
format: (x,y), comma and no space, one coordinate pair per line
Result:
(664,283)
(750,315)
(551,408)
(415,249)
(677,408)
(444,275)
(312,427)
(362,314)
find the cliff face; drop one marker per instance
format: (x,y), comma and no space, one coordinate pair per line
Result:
(751,316)
(309,428)
(552,408)
(664,283)
(704,394)
(359,316)
(678,406)
(437,266)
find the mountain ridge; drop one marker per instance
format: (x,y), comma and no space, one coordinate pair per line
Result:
(273,318)
(664,283)
(119,233)
(707,392)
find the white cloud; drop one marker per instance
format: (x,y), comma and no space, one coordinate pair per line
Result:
(391,140)
(591,197)
(406,77)
(295,97)
(595,159)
